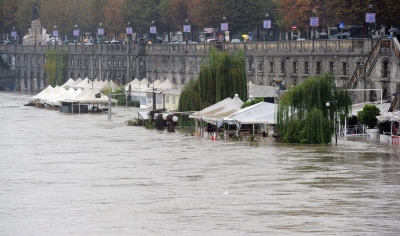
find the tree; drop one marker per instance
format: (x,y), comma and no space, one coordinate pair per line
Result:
(56,67)
(368,114)
(24,14)
(303,116)
(114,20)
(222,75)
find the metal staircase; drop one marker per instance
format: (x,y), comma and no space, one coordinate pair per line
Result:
(364,71)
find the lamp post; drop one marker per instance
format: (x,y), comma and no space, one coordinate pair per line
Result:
(328,103)
(224,28)
(14,35)
(314,13)
(100,32)
(186,29)
(55,35)
(129,31)
(371,20)
(153,30)
(76,33)
(267,25)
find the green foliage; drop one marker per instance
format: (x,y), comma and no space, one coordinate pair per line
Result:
(252,102)
(222,75)
(118,93)
(303,116)
(56,67)
(367,115)
(133,122)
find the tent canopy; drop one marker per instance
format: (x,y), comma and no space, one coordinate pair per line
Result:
(260,113)
(220,110)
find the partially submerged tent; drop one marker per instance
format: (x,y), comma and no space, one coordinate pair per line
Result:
(260,113)
(219,111)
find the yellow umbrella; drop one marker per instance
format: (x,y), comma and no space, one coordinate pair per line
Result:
(245,36)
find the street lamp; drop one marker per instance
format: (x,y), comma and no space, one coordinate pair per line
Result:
(14,34)
(186,29)
(76,33)
(100,32)
(267,25)
(370,20)
(153,30)
(314,25)
(224,28)
(55,35)
(328,103)
(129,31)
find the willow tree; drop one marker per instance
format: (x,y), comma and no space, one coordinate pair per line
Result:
(56,67)
(222,75)
(304,117)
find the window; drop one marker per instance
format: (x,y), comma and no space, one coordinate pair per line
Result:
(86,63)
(344,68)
(282,67)
(260,66)
(294,67)
(166,99)
(271,67)
(331,67)
(306,67)
(319,69)
(385,69)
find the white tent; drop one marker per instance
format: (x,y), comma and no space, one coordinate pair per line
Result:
(220,110)
(51,94)
(166,85)
(260,113)
(86,83)
(43,93)
(90,97)
(69,84)
(58,100)
(155,84)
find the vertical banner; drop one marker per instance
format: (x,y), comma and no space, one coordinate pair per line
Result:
(100,31)
(267,24)
(227,36)
(55,33)
(153,29)
(314,21)
(13,34)
(76,32)
(370,17)
(129,30)
(224,26)
(186,28)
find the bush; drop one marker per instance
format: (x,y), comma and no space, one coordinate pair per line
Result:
(367,116)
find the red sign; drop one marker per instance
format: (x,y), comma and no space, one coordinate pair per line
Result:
(294,27)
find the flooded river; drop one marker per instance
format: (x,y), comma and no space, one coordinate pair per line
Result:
(65,174)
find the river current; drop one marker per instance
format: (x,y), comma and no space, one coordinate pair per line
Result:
(70,174)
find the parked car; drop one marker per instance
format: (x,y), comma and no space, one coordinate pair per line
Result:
(235,41)
(211,40)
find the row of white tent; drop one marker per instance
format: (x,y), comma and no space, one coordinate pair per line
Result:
(57,95)
(87,83)
(230,111)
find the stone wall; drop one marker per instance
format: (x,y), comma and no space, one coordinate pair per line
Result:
(266,62)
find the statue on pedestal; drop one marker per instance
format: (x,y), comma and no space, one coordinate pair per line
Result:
(35,11)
